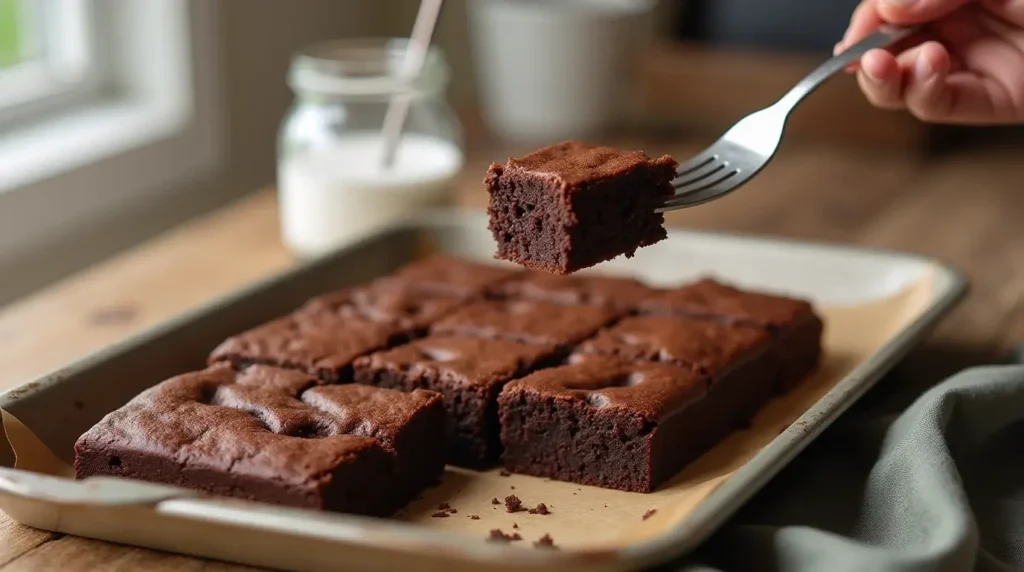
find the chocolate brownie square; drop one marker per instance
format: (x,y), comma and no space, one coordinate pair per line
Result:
(275,436)
(609,423)
(526,321)
(326,334)
(320,343)
(572,205)
(735,358)
(453,276)
(797,329)
(625,293)
(469,373)
(407,306)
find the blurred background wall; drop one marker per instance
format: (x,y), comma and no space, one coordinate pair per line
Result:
(712,61)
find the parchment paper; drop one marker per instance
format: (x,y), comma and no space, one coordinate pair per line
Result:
(590,518)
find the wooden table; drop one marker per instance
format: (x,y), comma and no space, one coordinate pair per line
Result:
(965,209)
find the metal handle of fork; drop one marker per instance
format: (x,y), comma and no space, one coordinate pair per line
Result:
(881,38)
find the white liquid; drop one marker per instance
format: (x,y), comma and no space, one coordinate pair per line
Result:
(334,195)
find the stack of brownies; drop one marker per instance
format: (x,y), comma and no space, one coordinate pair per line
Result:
(355,401)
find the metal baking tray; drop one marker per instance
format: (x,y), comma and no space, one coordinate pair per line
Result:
(877,305)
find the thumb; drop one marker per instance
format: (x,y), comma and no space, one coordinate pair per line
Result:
(917,11)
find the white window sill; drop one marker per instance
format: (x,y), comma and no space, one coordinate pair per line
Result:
(79,138)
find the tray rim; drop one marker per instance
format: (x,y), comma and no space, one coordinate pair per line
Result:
(950,286)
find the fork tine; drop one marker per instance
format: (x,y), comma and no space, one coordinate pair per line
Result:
(695,198)
(703,194)
(698,161)
(711,180)
(709,169)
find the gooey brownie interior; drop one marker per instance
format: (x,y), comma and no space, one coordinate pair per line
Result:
(572,205)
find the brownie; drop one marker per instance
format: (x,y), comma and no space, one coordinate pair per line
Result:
(575,290)
(527,321)
(275,436)
(317,342)
(573,205)
(453,276)
(734,358)
(469,373)
(407,306)
(610,423)
(797,329)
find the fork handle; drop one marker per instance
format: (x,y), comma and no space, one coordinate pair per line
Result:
(881,38)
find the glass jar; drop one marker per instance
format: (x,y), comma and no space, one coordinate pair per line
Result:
(333,186)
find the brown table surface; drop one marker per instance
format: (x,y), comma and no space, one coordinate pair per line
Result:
(965,209)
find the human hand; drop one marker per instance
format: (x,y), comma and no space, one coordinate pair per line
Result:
(966,66)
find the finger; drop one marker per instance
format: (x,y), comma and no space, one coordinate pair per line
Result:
(979,100)
(908,12)
(988,87)
(1010,10)
(899,47)
(881,79)
(865,19)
(926,92)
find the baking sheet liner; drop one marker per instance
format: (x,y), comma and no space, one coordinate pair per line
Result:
(591,518)
(876,307)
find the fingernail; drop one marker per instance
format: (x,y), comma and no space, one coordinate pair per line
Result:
(923,69)
(901,2)
(837,48)
(870,76)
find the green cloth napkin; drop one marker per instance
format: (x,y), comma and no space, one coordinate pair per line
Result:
(939,486)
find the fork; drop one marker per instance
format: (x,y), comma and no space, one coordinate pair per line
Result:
(751,143)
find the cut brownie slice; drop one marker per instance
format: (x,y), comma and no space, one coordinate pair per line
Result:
(605,422)
(453,276)
(469,372)
(610,291)
(793,323)
(572,205)
(411,424)
(407,306)
(527,321)
(320,343)
(735,358)
(326,334)
(275,436)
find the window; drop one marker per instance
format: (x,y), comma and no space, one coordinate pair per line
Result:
(46,55)
(104,105)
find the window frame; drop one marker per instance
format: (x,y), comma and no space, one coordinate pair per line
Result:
(149,127)
(64,66)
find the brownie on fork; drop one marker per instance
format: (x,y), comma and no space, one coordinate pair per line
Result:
(573,205)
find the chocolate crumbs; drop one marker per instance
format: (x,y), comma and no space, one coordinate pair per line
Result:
(650,513)
(504,473)
(474,517)
(513,504)
(498,536)
(444,510)
(545,542)
(540,509)
(495,501)
(515,525)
